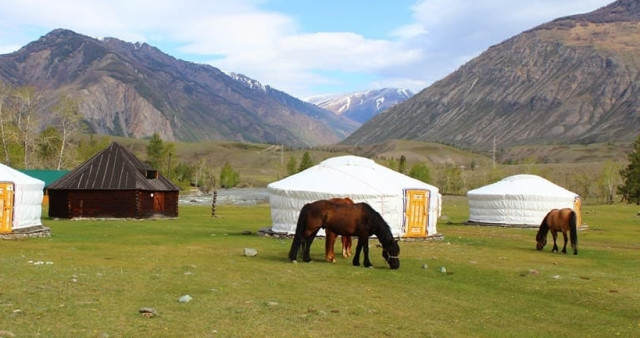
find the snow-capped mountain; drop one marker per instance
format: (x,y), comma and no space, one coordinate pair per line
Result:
(362,106)
(249,82)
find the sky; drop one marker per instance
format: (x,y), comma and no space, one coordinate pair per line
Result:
(302,47)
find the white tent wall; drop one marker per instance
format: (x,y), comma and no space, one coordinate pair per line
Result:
(28,191)
(358,178)
(517,200)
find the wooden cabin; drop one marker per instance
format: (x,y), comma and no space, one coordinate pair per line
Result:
(113,183)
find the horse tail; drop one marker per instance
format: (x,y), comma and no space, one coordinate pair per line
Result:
(573,231)
(299,235)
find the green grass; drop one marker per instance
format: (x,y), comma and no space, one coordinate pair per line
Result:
(497,283)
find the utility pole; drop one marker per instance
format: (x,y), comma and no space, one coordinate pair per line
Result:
(169,167)
(493,153)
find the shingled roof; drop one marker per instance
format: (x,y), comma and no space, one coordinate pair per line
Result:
(114,168)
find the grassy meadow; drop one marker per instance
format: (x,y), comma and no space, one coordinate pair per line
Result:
(92,276)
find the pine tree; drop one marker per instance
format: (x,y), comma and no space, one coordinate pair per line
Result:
(154,151)
(306,162)
(292,165)
(402,165)
(630,188)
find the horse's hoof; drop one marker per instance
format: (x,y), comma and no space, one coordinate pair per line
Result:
(294,261)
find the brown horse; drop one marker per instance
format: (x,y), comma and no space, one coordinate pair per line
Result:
(358,219)
(330,255)
(559,220)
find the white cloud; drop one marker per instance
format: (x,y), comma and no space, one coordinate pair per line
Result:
(409,31)
(240,36)
(237,35)
(449,33)
(296,62)
(233,33)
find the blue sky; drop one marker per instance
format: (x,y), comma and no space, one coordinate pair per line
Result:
(303,47)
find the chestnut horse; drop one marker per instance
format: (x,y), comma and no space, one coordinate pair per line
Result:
(358,219)
(559,220)
(330,256)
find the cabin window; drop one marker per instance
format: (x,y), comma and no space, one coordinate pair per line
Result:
(152,174)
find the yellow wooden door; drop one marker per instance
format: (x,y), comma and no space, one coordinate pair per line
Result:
(6,207)
(416,212)
(577,208)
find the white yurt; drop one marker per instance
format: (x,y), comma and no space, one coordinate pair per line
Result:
(522,200)
(410,207)
(21,199)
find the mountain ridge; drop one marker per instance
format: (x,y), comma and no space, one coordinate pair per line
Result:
(135,90)
(557,83)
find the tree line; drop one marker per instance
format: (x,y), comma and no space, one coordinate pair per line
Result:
(24,143)
(451,180)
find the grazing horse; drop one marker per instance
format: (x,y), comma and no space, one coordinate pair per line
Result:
(358,219)
(559,220)
(330,256)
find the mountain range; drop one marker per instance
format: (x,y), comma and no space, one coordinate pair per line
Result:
(362,106)
(575,79)
(135,90)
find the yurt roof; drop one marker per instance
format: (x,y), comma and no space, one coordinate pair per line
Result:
(349,174)
(525,185)
(8,174)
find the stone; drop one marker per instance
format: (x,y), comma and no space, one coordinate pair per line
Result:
(148,312)
(185,299)
(250,252)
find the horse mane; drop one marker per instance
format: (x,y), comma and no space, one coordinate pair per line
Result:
(379,226)
(544,229)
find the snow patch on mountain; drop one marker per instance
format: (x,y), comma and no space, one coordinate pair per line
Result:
(247,81)
(361,106)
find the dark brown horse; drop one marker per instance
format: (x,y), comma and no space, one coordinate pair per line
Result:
(330,255)
(556,220)
(358,219)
